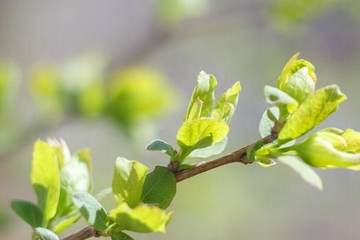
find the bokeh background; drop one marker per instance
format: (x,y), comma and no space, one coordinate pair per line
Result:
(56,55)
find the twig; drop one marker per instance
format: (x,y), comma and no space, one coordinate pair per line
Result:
(237,156)
(85,233)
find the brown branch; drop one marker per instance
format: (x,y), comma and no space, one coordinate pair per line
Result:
(237,156)
(85,233)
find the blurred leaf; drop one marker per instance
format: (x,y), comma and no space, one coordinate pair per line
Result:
(159,187)
(45,178)
(160,145)
(227,103)
(306,172)
(46,88)
(9,79)
(289,14)
(128,181)
(143,218)
(92,99)
(45,234)
(314,110)
(4,219)
(138,94)
(203,97)
(200,133)
(171,12)
(28,212)
(91,210)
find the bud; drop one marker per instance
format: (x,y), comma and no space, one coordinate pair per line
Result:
(297,78)
(328,148)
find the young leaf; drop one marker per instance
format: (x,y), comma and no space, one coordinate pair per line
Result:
(200,133)
(66,222)
(159,187)
(227,103)
(160,145)
(45,234)
(45,178)
(91,210)
(306,172)
(314,110)
(75,177)
(203,92)
(28,212)
(276,96)
(143,218)
(120,236)
(128,181)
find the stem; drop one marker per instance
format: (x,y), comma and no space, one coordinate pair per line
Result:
(237,156)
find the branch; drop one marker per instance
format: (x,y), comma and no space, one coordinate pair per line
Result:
(85,233)
(237,156)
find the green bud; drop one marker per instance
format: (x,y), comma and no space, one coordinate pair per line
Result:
(329,148)
(297,79)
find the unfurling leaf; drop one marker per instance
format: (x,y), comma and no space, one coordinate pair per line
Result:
(203,97)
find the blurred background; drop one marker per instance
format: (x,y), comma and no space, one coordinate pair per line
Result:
(113,75)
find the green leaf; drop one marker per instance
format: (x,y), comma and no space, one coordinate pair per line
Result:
(28,212)
(314,110)
(120,236)
(203,97)
(200,133)
(352,139)
(45,179)
(128,181)
(91,210)
(266,124)
(160,145)
(212,150)
(227,103)
(159,187)
(306,172)
(45,234)
(143,218)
